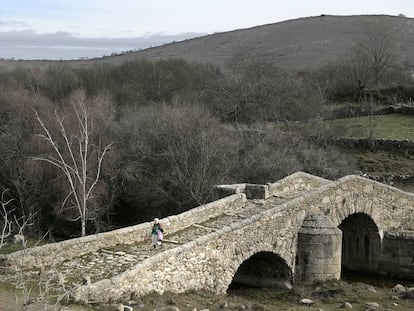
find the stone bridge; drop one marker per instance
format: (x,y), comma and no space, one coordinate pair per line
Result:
(300,229)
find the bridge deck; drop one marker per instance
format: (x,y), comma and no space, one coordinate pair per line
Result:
(106,263)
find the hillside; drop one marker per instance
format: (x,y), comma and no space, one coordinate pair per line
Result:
(300,44)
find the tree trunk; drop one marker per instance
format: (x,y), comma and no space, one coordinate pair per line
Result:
(83,224)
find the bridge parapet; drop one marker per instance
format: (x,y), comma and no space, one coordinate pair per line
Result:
(57,252)
(390,208)
(252,191)
(290,186)
(206,263)
(297,182)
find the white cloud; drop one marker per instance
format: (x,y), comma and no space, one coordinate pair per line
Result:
(13,24)
(28,44)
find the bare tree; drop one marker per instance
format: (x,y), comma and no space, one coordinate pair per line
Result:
(371,58)
(6,228)
(77,153)
(10,223)
(172,157)
(372,118)
(380,50)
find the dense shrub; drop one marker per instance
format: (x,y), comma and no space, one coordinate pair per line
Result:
(178,129)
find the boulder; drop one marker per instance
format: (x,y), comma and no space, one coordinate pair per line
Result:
(17,238)
(347,305)
(398,289)
(306,301)
(122,307)
(371,306)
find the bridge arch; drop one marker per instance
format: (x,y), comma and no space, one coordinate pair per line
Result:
(263,269)
(356,203)
(254,252)
(361,243)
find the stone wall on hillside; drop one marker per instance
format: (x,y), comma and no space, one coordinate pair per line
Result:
(399,146)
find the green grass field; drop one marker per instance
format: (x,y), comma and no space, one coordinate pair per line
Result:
(391,126)
(371,162)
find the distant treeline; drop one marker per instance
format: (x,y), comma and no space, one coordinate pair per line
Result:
(177,129)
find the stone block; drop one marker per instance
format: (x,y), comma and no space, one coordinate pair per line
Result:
(257,191)
(222,191)
(318,253)
(322,238)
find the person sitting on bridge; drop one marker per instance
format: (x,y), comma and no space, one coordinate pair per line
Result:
(157,233)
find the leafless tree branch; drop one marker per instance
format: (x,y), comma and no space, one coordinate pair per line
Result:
(79,158)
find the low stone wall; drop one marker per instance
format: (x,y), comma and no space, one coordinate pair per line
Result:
(400,146)
(402,108)
(252,191)
(299,181)
(222,191)
(291,184)
(57,252)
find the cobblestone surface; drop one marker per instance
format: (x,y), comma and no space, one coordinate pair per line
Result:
(106,263)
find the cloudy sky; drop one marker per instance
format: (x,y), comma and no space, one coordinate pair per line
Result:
(67,29)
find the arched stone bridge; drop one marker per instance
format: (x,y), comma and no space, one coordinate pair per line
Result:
(300,229)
